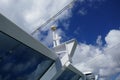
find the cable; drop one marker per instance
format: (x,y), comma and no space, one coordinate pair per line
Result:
(50,19)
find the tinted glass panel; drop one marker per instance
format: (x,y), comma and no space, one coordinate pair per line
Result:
(81,78)
(90,77)
(20,62)
(68,75)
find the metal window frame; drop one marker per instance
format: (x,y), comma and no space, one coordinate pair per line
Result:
(70,67)
(54,72)
(11,29)
(53,61)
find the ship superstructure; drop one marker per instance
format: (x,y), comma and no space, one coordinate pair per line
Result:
(24,58)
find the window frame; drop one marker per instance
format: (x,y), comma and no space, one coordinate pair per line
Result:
(53,61)
(11,29)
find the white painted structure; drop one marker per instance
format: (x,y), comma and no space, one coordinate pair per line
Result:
(56,37)
(58,61)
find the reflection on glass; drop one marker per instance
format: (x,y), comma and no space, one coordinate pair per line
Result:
(90,76)
(20,62)
(68,75)
(81,78)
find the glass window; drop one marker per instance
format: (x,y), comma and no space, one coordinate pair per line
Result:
(68,75)
(90,76)
(81,78)
(20,62)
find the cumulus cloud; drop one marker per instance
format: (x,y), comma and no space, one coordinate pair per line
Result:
(99,40)
(113,38)
(105,61)
(31,14)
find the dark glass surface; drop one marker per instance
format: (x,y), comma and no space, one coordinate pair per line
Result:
(20,62)
(68,75)
(90,76)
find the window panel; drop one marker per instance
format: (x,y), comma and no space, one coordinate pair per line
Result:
(68,75)
(20,62)
(90,76)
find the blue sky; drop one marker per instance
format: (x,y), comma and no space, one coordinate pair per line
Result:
(95,24)
(90,20)
(97,19)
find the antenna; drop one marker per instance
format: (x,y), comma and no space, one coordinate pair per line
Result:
(56,37)
(54,16)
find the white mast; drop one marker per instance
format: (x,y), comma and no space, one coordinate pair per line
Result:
(56,37)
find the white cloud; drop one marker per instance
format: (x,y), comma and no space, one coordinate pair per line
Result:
(82,11)
(99,40)
(105,61)
(118,77)
(66,25)
(29,14)
(77,31)
(38,71)
(113,38)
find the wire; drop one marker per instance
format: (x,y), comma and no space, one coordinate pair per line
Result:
(54,16)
